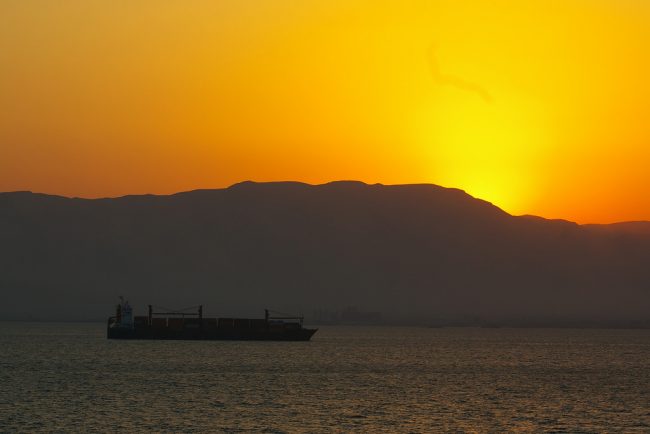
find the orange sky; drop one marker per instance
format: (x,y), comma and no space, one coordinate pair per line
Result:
(539,106)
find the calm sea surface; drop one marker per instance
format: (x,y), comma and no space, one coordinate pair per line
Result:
(68,377)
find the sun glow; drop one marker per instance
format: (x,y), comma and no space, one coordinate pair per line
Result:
(488,149)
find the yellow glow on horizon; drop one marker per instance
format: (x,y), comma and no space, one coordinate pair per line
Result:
(488,149)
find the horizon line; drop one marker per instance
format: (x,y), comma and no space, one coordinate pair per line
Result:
(341,181)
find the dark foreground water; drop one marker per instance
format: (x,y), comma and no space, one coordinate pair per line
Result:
(68,377)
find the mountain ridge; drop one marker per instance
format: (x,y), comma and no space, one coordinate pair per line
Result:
(415,253)
(632,226)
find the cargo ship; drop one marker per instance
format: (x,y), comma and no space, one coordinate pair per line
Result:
(189,325)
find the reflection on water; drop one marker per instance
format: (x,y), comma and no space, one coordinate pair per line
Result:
(68,377)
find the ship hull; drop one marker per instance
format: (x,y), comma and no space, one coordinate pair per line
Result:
(200,334)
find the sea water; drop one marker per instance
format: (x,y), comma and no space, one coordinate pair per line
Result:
(69,378)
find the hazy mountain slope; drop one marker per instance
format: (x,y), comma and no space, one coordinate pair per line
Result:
(637,228)
(410,252)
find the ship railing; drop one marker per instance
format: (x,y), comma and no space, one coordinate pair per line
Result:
(176,312)
(283,317)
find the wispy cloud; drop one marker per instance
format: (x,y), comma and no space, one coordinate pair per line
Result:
(452,80)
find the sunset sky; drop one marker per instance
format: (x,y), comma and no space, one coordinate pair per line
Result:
(539,106)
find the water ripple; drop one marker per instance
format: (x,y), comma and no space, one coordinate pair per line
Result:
(68,377)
